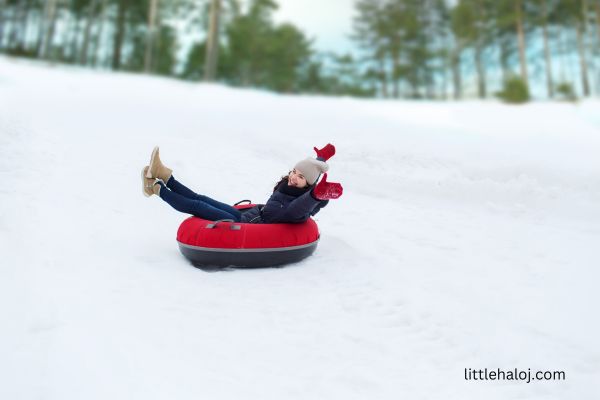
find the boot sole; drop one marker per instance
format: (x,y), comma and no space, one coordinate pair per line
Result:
(144,182)
(154,152)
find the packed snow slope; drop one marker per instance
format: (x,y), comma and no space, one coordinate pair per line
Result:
(467,237)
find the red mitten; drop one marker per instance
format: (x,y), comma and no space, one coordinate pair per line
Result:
(327,190)
(326,152)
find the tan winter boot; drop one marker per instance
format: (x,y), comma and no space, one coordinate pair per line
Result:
(149,186)
(157,169)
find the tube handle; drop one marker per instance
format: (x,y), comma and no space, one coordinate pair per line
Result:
(232,226)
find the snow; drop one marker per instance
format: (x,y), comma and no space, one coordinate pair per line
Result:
(467,237)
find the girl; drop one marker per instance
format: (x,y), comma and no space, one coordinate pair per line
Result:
(295,197)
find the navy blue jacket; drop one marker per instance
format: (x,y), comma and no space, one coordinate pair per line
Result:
(286,204)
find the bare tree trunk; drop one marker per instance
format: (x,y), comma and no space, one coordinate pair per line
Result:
(27,43)
(383,77)
(504,60)
(480,73)
(444,81)
(26,25)
(99,33)
(88,28)
(582,61)
(157,43)
(521,39)
(49,25)
(446,66)
(72,48)
(456,75)
(581,43)
(119,35)
(150,35)
(41,29)
(549,81)
(481,80)
(395,77)
(425,71)
(212,42)
(23,19)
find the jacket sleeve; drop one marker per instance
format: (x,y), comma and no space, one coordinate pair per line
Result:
(322,204)
(298,210)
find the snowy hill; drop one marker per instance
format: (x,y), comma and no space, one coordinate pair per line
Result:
(467,237)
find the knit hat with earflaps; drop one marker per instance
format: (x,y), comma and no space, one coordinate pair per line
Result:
(311,169)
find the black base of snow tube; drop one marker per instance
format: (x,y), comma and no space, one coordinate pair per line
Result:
(203,257)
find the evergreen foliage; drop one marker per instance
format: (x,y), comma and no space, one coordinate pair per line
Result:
(514,91)
(565,92)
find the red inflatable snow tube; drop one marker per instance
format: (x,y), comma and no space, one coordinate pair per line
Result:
(227,243)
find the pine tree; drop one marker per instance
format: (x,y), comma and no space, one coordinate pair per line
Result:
(573,15)
(247,36)
(47,31)
(367,33)
(288,51)
(520,28)
(504,33)
(463,28)
(165,59)
(119,34)
(92,9)
(100,32)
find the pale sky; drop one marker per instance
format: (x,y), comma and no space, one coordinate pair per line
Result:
(329,22)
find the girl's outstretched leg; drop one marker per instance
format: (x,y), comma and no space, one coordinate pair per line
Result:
(181,189)
(196,207)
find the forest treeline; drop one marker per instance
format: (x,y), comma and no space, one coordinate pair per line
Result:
(432,49)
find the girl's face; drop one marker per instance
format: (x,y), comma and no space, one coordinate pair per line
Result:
(296,179)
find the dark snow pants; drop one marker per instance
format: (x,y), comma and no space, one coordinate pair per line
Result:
(186,201)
